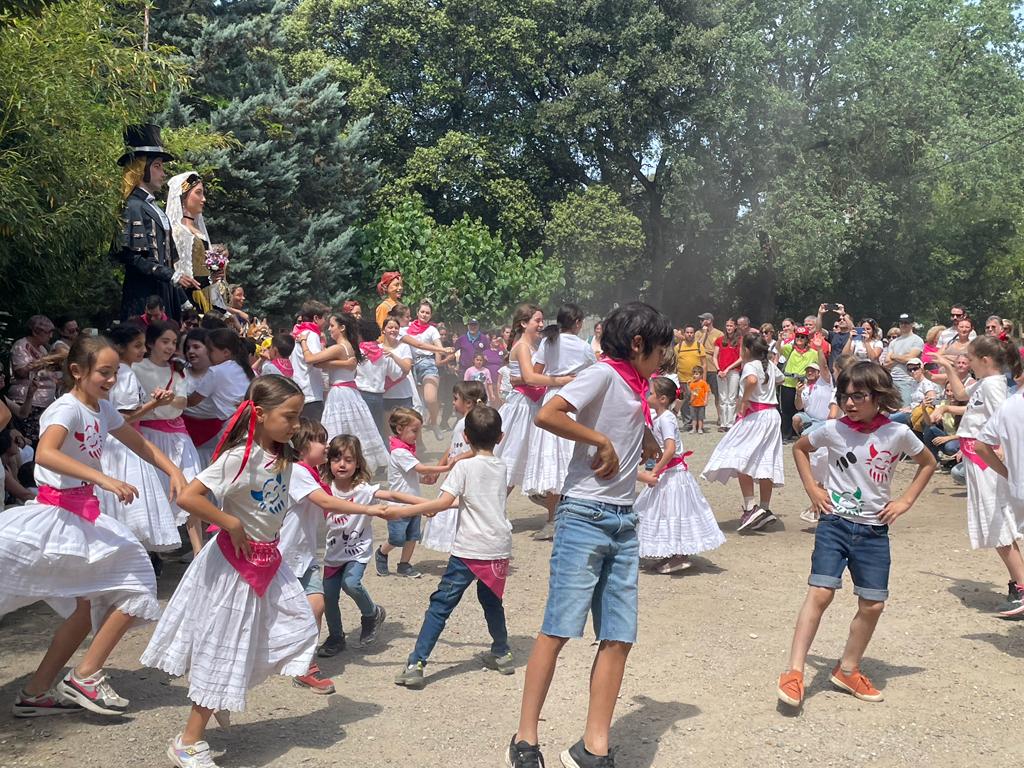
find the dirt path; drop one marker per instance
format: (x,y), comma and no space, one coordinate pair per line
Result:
(699,687)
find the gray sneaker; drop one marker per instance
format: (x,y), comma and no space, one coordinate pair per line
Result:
(380,562)
(1013,608)
(766,519)
(371,627)
(577,756)
(502,664)
(750,517)
(406,570)
(411,676)
(546,533)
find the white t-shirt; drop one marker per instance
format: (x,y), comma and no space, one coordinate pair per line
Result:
(902,346)
(482,531)
(207,409)
(860,465)
(818,398)
(459,444)
(605,403)
(1006,428)
(370,377)
(225,384)
(764,391)
(859,347)
(300,532)
(505,382)
(923,388)
(259,497)
(350,537)
(946,336)
(309,378)
(570,354)
(152,376)
(402,474)
(403,388)
(984,398)
(429,336)
(666,427)
(87,430)
(126,394)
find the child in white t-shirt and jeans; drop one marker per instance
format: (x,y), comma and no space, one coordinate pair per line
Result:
(595,558)
(864,449)
(480,551)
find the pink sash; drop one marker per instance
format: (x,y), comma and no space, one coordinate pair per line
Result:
(349,384)
(534,393)
(80,501)
(372,350)
(171,426)
(639,385)
(284,365)
(678,461)
(967,449)
(866,428)
(394,443)
(754,408)
(491,572)
(260,568)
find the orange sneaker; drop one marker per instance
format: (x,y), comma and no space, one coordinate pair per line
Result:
(791,688)
(857,684)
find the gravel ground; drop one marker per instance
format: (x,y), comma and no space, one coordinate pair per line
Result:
(699,687)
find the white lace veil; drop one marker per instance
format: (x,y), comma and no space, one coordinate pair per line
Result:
(183,237)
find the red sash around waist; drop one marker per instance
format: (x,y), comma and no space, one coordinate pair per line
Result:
(346,384)
(968,450)
(80,501)
(534,393)
(259,569)
(171,426)
(678,461)
(492,573)
(201,431)
(754,408)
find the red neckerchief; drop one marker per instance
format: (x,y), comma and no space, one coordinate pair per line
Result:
(372,350)
(395,443)
(637,383)
(316,476)
(416,327)
(251,406)
(284,365)
(860,426)
(305,325)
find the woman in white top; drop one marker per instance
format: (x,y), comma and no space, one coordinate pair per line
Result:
(864,343)
(229,375)
(752,449)
(561,353)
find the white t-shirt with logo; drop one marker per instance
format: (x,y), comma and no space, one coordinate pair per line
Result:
(1006,429)
(350,537)
(87,431)
(402,474)
(300,533)
(605,403)
(984,398)
(308,377)
(860,466)
(482,530)
(259,497)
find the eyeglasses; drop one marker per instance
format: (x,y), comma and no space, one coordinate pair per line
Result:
(893,336)
(913,367)
(956,314)
(857,397)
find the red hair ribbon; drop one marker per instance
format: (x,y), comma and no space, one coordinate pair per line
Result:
(249,436)
(385,280)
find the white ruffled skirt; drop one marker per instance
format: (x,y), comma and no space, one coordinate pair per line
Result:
(547,461)
(225,637)
(439,530)
(149,516)
(991,521)
(675,518)
(345,413)
(50,554)
(752,447)
(182,453)
(517,416)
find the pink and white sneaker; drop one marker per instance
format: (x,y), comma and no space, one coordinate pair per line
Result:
(190,756)
(94,693)
(47,703)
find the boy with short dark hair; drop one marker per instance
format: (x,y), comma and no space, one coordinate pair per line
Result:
(700,390)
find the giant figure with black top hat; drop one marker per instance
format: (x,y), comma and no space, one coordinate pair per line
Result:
(146,248)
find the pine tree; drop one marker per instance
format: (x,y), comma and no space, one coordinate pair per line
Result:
(287,196)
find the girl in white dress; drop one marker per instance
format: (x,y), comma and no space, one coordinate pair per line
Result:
(225,383)
(239,613)
(992,521)
(86,565)
(401,392)
(752,449)
(373,373)
(200,418)
(562,353)
(675,518)
(345,411)
(149,515)
(519,410)
(164,426)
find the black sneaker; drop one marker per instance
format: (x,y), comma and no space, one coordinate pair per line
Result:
(371,627)
(1013,608)
(406,570)
(380,562)
(332,647)
(749,520)
(523,755)
(577,756)
(768,517)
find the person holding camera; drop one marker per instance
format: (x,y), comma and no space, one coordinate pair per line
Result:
(864,343)
(800,354)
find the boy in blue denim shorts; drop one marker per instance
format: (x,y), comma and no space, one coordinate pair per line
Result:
(864,448)
(595,557)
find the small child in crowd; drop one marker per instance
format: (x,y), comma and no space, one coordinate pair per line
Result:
(277,359)
(699,393)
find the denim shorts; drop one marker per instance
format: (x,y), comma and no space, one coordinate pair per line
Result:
(864,549)
(809,423)
(594,565)
(312,580)
(404,530)
(424,368)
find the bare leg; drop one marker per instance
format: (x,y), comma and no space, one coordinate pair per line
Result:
(66,640)
(316,604)
(764,491)
(817,600)
(407,549)
(195,533)
(104,642)
(195,728)
(430,398)
(551,504)
(1013,561)
(385,548)
(746,485)
(540,669)
(861,629)
(605,682)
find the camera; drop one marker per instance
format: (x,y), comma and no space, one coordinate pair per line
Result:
(831,307)
(799,377)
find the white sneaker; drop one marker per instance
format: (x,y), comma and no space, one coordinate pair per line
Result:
(809,515)
(191,756)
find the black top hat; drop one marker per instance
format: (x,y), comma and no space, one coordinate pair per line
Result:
(143,140)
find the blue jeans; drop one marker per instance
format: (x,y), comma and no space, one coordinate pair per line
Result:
(900,417)
(864,549)
(455,581)
(595,563)
(404,530)
(930,433)
(350,580)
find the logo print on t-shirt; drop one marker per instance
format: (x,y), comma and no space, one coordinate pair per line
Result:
(272,497)
(880,463)
(846,503)
(844,462)
(89,440)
